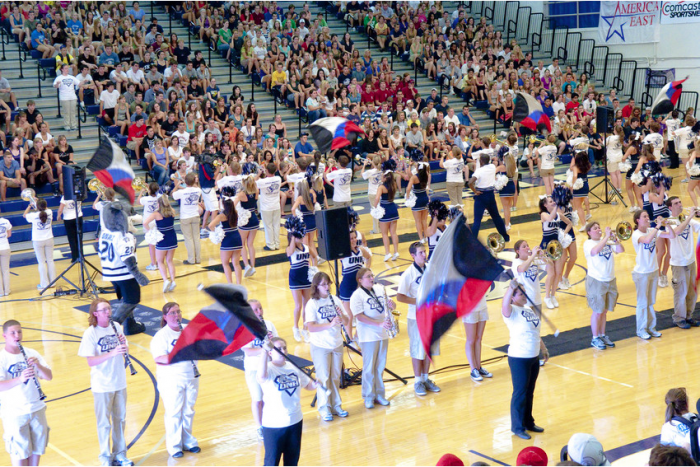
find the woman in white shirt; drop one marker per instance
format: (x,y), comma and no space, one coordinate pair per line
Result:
(5,234)
(601,285)
(73,220)
(324,317)
(614,154)
(456,170)
(370,305)
(42,239)
(178,384)
(374,179)
(524,326)
(646,271)
(675,432)
(548,157)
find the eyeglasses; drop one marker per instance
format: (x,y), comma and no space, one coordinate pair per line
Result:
(173,313)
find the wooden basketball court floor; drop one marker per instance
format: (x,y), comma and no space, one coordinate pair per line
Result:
(616,394)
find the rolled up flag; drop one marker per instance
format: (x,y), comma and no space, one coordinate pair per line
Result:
(332,133)
(528,112)
(111,168)
(668,97)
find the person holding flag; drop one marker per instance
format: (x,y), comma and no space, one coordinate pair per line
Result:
(524,349)
(282,418)
(178,385)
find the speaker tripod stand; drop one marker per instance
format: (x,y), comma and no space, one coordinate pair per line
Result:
(609,190)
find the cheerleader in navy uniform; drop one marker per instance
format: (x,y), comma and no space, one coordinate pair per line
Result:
(231,244)
(551,219)
(299,282)
(320,190)
(248,198)
(508,193)
(580,166)
(385,200)
(562,196)
(165,248)
(418,186)
(657,196)
(306,204)
(633,152)
(438,218)
(359,258)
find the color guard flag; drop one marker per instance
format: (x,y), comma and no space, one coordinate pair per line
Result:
(528,112)
(332,133)
(219,329)
(668,97)
(460,272)
(111,168)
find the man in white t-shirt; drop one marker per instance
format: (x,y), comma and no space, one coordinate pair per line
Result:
(683,266)
(136,76)
(104,346)
(270,207)
(183,138)
(409,283)
(189,198)
(342,195)
(66,84)
(23,412)
(482,184)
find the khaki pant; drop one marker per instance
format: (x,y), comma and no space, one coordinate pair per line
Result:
(5,271)
(454,191)
(684,295)
(373,364)
(110,410)
(646,297)
(342,204)
(179,397)
(69,110)
(190,230)
(329,365)
(271,223)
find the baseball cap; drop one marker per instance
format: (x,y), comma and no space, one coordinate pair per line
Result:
(434,89)
(586,450)
(532,455)
(449,459)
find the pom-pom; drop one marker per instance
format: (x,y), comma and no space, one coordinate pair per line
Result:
(694,170)
(410,201)
(637,178)
(248,169)
(153,236)
(625,166)
(377,212)
(578,184)
(562,195)
(295,226)
(243,215)
(435,206)
(501,182)
(317,206)
(389,165)
(569,177)
(313,270)
(502,152)
(353,217)
(228,191)
(167,188)
(564,238)
(652,167)
(574,217)
(298,213)
(417,156)
(659,179)
(217,235)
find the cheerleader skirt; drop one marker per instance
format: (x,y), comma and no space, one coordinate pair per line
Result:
(583,191)
(391,212)
(630,172)
(253,222)
(310,222)
(299,278)
(347,286)
(169,241)
(508,191)
(570,233)
(232,241)
(422,200)
(548,238)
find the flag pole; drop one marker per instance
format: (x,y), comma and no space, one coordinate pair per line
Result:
(286,357)
(537,308)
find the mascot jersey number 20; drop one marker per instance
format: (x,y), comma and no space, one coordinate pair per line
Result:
(117,249)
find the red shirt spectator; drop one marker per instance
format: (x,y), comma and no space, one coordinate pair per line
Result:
(381,95)
(627,110)
(258,18)
(138,130)
(368,96)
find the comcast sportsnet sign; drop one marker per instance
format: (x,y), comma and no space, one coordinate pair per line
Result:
(680,12)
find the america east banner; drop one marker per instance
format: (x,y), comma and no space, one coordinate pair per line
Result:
(629,22)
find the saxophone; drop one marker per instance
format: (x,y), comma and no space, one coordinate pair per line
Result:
(391,315)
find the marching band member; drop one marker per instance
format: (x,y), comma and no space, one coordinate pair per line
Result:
(548,154)
(418,185)
(408,293)
(524,327)
(359,258)
(683,265)
(323,317)
(189,198)
(455,170)
(165,249)
(370,305)
(23,412)
(646,271)
(481,184)
(282,418)
(299,283)
(253,350)
(613,146)
(42,239)
(601,285)
(232,244)
(72,212)
(150,205)
(105,356)
(177,384)
(5,234)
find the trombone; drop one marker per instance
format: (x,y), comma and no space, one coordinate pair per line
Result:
(494,139)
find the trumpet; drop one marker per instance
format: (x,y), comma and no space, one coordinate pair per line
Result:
(29,195)
(494,139)
(553,250)
(42,396)
(96,186)
(495,243)
(138,184)
(532,139)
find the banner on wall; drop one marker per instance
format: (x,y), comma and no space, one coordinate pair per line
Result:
(680,12)
(624,22)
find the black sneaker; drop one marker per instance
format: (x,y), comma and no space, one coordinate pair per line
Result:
(683,324)
(693,322)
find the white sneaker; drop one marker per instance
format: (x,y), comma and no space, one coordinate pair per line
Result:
(562,285)
(387,257)
(297,334)
(305,335)
(582,229)
(548,302)
(172,286)
(507,227)
(246,271)
(588,216)
(644,335)
(321,260)
(253,271)
(152,267)
(166,285)
(632,209)
(554,302)
(395,257)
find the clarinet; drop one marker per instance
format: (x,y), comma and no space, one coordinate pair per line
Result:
(127,359)
(194,365)
(42,396)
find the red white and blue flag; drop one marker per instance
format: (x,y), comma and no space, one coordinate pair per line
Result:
(528,112)
(460,272)
(333,133)
(219,329)
(110,166)
(668,97)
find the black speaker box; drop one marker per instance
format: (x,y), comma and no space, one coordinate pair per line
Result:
(605,119)
(333,228)
(74,187)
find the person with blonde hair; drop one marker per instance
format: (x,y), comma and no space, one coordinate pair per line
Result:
(165,248)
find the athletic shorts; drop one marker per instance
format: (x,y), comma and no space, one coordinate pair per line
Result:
(26,435)
(547,172)
(601,296)
(211,202)
(476,316)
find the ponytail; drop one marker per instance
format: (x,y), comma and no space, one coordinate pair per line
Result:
(676,403)
(41,207)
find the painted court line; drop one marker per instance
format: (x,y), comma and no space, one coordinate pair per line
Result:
(589,374)
(64,455)
(152,451)
(487,457)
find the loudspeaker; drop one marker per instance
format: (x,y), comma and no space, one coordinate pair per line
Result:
(333,228)
(605,119)
(74,187)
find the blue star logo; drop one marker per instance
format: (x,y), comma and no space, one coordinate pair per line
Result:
(651,246)
(686,233)
(612,28)
(606,252)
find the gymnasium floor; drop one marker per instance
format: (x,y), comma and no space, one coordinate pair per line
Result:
(616,394)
